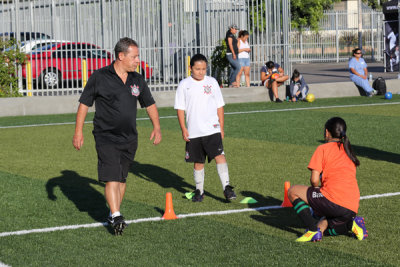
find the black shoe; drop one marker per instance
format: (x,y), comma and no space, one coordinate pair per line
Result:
(119,225)
(229,193)
(197,196)
(110,220)
(278,100)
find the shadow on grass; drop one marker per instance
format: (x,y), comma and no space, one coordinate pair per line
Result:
(78,189)
(165,178)
(373,153)
(282,218)
(376,154)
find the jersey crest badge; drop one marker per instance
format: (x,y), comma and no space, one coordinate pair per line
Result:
(135,90)
(207,89)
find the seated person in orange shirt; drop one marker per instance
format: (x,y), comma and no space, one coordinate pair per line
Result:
(333,195)
(272,76)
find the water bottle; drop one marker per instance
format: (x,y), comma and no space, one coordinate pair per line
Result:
(370,77)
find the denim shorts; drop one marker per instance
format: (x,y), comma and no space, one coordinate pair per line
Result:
(244,62)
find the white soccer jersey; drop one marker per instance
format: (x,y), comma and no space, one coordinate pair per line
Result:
(200,101)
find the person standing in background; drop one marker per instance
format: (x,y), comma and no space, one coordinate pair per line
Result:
(244,57)
(232,53)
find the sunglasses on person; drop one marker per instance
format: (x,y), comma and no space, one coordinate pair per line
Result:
(358,53)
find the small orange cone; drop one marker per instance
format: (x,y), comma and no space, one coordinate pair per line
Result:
(169,213)
(286,202)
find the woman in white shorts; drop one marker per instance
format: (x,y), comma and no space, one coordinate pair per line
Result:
(244,57)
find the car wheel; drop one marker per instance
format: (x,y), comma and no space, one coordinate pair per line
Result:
(50,78)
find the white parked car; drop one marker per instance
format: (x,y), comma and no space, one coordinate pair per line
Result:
(31,45)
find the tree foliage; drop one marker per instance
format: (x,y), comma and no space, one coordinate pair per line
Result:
(220,63)
(375,4)
(10,59)
(308,13)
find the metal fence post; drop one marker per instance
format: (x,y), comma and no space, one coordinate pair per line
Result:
(372,38)
(301,47)
(337,36)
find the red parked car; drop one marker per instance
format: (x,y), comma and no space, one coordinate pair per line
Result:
(62,61)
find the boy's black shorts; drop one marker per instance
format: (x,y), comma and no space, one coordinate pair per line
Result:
(198,148)
(336,215)
(114,160)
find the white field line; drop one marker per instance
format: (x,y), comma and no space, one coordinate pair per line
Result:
(4,265)
(227,113)
(155,219)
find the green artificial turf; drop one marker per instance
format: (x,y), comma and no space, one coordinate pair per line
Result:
(47,183)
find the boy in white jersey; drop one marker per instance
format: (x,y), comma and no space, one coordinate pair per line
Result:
(199,96)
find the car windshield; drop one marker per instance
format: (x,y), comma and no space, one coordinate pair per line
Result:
(44,47)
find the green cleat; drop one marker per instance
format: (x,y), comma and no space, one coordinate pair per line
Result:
(310,236)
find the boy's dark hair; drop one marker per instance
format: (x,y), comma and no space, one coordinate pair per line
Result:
(296,74)
(123,45)
(270,64)
(336,126)
(243,33)
(197,57)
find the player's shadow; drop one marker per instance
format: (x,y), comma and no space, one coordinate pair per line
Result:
(376,154)
(165,178)
(281,218)
(78,189)
(373,153)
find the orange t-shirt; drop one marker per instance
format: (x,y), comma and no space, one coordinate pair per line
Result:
(338,183)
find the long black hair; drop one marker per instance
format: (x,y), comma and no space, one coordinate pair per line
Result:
(336,126)
(295,74)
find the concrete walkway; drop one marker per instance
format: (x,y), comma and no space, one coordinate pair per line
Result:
(338,72)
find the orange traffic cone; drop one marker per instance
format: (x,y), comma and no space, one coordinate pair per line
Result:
(169,213)
(286,202)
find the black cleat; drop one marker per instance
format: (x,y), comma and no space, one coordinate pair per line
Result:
(119,225)
(229,193)
(197,196)
(110,220)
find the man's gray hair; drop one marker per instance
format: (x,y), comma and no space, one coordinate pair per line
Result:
(123,45)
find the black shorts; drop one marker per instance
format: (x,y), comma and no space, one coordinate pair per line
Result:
(336,215)
(198,148)
(114,160)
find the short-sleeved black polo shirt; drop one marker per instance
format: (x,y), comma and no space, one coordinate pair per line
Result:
(116,104)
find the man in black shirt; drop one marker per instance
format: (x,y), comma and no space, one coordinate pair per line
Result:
(116,90)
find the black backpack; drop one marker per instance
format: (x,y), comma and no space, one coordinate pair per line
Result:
(379,85)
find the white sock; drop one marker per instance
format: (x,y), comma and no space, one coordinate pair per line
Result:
(223,174)
(199,179)
(115,214)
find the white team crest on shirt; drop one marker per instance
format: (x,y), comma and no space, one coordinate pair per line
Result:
(207,89)
(135,90)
